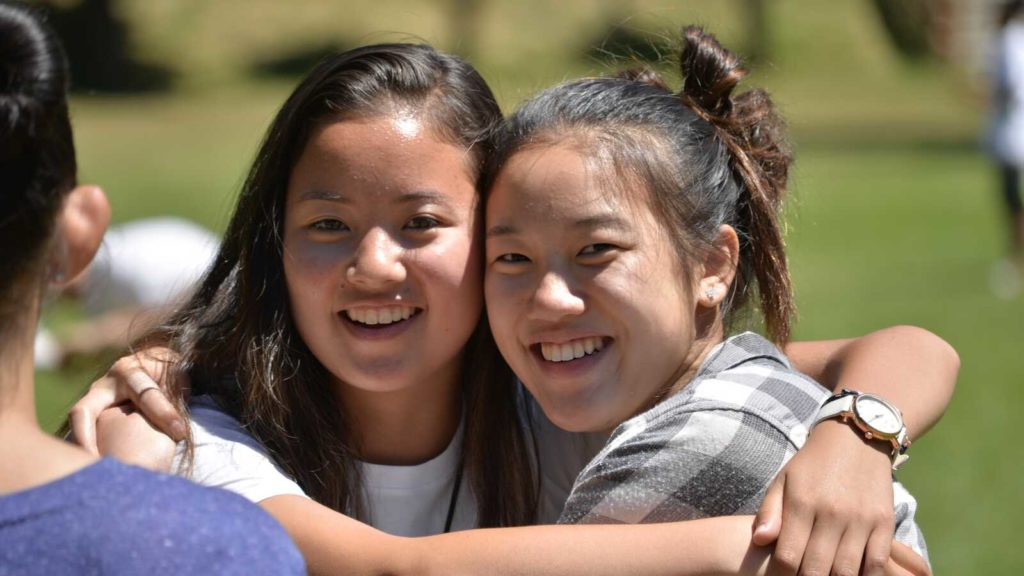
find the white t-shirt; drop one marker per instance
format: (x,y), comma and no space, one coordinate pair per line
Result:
(402,500)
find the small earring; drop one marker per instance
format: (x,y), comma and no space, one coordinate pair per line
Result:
(711,293)
(56,275)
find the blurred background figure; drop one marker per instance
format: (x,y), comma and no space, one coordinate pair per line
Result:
(1007,140)
(143,268)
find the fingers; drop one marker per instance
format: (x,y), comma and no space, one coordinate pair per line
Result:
(83,415)
(768,521)
(893,569)
(140,374)
(879,544)
(908,560)
(159,410)
(797,522)
(820,548)
(850,552)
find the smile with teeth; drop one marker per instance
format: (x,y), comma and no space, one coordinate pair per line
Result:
(380,316)
(567,351)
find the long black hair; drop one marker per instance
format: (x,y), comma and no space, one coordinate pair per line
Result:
(237,336)
(37,154)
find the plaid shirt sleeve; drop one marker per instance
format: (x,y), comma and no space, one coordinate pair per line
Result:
(694,464)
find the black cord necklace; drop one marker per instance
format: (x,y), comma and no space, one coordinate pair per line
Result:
(453,499)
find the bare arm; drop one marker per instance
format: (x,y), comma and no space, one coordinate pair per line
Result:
(832,503)
(908,366)
(333,543)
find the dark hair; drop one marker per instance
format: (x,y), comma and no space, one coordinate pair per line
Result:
(703,156)
(37,154)
(237,336)
(1008,11)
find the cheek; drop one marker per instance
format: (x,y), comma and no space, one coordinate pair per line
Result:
(453,273)
(310,271)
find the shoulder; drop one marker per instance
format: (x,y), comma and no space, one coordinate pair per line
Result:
(226,456)
(750,378)
(710,450)
(168,522)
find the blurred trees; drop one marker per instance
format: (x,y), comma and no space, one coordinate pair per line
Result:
(98,47)
(908,24)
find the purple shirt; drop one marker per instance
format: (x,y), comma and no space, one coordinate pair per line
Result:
(109,518)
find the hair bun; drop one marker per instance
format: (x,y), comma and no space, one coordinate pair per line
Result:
(710,72)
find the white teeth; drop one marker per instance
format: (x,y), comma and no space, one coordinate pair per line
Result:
(375,316)
(570,350)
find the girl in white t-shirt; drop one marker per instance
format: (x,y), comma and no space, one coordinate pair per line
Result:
(346,371)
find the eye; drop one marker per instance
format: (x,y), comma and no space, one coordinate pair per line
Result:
(422,223)
(329,225)
(511,258)
(596,249)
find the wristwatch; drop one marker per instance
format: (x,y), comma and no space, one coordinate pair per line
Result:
(876,418)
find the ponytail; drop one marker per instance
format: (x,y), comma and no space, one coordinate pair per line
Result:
(752,131)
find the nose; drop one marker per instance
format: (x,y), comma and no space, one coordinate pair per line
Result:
(377,261)
(554,299)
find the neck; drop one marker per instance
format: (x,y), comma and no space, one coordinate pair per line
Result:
(28,455)
(710,335)
(17,370)
(407,426)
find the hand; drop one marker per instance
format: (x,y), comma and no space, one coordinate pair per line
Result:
(125,434)
(134,380)
(831,506)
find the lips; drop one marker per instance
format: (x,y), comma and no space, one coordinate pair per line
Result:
(571,350)
(381,315)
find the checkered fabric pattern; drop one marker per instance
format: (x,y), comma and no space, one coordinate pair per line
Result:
(713,448)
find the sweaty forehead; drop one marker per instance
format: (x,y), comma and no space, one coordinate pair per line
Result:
(379,155)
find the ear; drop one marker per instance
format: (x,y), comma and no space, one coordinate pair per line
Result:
(80,228)
(719,268)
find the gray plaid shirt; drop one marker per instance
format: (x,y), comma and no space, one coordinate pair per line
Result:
(713,448)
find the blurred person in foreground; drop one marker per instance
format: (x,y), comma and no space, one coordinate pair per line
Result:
(62,510)
(1006,140)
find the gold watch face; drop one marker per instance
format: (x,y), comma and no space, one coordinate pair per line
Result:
(878,415)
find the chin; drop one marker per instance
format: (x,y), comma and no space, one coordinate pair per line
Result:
(575,419)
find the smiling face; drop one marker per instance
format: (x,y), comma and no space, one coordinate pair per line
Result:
(380,252)
(586,296)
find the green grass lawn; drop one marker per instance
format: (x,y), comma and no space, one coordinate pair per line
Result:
(894,216)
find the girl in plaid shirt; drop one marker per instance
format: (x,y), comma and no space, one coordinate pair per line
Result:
(626,226)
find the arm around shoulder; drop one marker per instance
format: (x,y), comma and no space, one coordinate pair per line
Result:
(911,367)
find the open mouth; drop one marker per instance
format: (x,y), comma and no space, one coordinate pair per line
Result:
(572,350)
(380,317)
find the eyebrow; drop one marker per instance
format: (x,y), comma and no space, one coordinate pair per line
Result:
(324,195)
(422,196)
(606,220)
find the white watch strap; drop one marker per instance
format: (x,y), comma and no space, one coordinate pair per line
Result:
(834,407)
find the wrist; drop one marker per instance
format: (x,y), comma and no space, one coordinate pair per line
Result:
(844,438)
(872,416)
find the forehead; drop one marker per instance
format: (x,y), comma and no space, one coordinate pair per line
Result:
(381,154)
(555,182)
